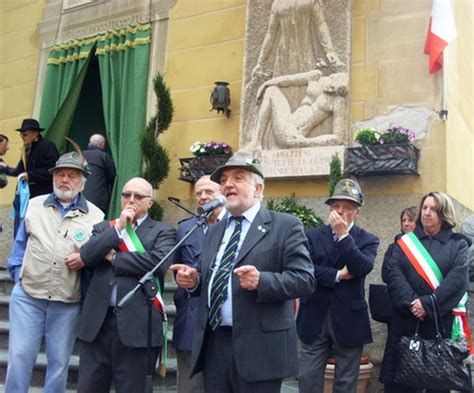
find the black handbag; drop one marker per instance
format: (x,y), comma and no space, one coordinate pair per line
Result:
(432,364)
(380,303)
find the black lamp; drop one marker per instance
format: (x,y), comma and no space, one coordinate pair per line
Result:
(220,98)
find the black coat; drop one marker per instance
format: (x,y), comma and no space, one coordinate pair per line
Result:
(99,184)
(186,306)
(449,250)
(344,300)
(42,157)
(157,238)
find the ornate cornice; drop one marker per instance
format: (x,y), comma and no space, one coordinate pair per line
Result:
(98,17)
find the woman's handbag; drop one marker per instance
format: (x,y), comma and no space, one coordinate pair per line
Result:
(432,364)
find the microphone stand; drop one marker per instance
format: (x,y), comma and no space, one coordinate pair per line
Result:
(177,202)
(149,289)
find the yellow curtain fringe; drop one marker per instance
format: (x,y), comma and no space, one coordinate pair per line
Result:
(122,46)
(56,49)
(68,59)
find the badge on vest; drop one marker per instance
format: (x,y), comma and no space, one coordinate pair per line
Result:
(79,235)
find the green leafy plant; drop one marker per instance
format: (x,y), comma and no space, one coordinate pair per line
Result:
(289,205)
(156,161)
(392,135)
(368,136)
(335,172)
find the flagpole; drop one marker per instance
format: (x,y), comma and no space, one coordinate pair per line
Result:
(443,113)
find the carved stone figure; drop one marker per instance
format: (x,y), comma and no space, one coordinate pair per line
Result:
(280,127)
(297,39)
(294,52)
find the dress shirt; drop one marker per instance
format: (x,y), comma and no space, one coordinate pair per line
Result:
(337,240)
(249,215)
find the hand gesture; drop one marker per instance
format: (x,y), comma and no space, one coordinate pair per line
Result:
(249,277)
(127,215)
(338,224)
(186,276)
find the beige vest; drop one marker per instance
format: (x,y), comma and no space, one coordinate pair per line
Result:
(44,274)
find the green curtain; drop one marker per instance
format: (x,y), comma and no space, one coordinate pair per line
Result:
(65,73)
(123,63)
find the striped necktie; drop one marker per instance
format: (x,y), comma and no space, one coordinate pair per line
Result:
(221,278)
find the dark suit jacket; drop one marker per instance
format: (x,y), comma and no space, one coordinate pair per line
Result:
(344,300)
(186,306)
(99,184)
(157,239)
(42,157)
(264,332)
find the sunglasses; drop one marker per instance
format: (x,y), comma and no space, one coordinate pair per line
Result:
(138,197)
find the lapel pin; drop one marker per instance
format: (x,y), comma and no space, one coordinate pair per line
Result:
(261,229)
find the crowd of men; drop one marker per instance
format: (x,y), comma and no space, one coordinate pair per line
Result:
(238,274)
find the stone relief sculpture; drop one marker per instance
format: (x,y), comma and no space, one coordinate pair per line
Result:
(297,39)
(277,125)
(296,90)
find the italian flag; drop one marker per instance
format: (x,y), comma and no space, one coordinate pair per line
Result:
(441,32)
(427,268)
(131,243)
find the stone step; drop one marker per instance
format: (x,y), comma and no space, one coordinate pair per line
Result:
(5,300)
(5,329)
(6,285)
(40,369)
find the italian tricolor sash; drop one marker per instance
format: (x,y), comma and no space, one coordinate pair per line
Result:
(426,267)
(131,243)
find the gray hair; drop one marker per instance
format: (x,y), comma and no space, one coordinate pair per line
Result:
(257,179)
(97,140)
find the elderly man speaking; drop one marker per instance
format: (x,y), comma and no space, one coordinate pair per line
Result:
(252,264)
(45,264)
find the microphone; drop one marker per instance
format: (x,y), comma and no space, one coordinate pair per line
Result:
(218,201)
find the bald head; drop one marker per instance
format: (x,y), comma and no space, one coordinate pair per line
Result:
(97,140)
(141,183)
(137,193)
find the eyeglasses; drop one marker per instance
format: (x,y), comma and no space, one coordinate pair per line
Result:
(198,194)
(138,197)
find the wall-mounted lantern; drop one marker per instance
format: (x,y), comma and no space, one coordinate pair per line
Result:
(220,98)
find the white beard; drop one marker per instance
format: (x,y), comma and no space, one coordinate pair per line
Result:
(66,195)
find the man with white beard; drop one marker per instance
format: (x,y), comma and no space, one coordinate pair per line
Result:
(45,264)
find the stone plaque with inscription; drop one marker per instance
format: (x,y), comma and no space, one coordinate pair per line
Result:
(304,162)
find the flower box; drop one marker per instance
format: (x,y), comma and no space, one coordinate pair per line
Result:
(193,168)
(387,159)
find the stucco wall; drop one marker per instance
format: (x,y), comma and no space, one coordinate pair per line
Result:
(460,101)
(19,47)
(205,45)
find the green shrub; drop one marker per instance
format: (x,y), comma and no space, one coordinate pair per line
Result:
(368,137)
(289,205)
(156,161)
(335,172)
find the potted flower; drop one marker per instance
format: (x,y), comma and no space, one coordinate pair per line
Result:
(383,153)
(207,157)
